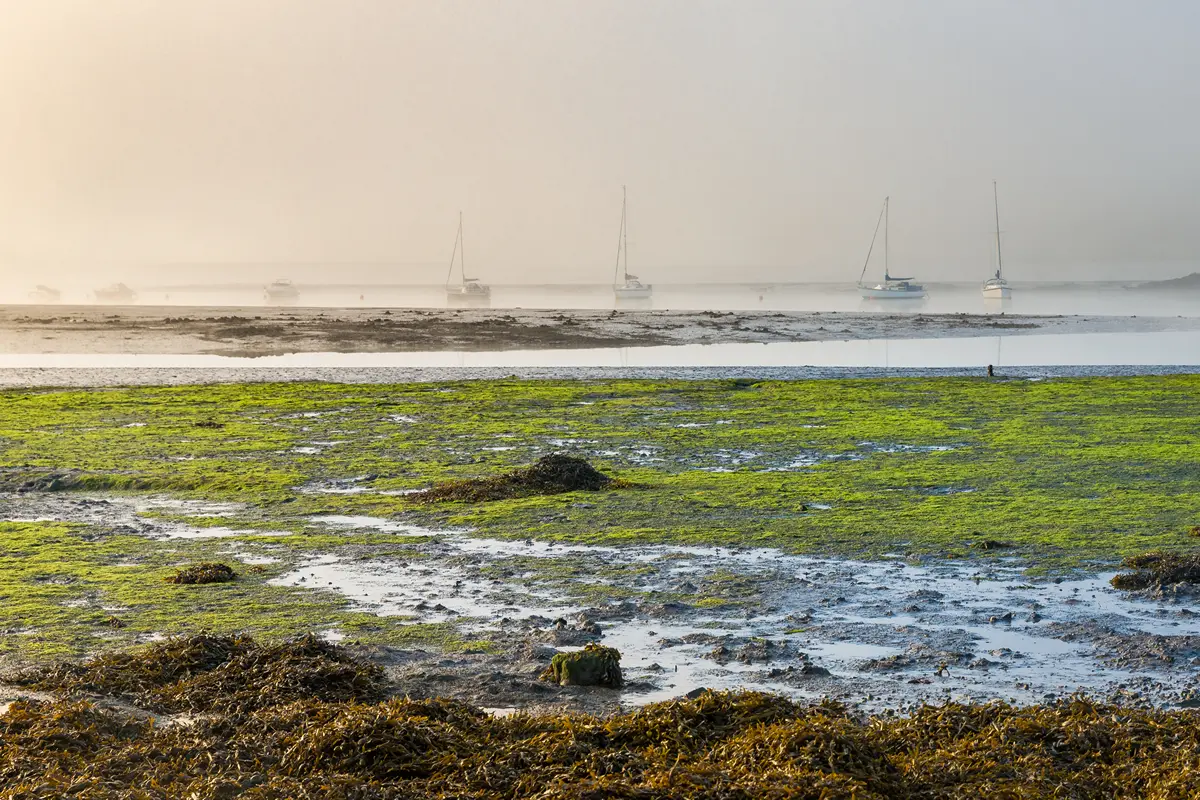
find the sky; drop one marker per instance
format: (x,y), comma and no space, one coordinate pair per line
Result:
(179,141)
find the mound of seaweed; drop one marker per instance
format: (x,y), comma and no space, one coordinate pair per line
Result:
(1157,569)
(204,572)
(594,665)
(552,474)
(719,746)
(204,672)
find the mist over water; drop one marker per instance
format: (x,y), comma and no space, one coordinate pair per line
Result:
(1082,299)
(168,143)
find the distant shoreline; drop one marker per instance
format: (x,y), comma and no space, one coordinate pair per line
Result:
(258,331)
(1191,280)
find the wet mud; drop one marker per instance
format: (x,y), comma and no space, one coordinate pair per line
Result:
(265,331)
(881,635)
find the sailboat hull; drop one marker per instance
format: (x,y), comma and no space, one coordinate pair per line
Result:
(997,292)
(884,293)
(632,292)
(456,296)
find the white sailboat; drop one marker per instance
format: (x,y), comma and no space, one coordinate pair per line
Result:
(281,291)
(891,288)
(45,294)
(116,293)
(631,288)
(467,290)
(996,288)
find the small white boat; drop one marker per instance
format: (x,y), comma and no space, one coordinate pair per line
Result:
(891,288)
(281,290)
(996,288)
(45,294)
(468,291)
(117,293)
(631,288)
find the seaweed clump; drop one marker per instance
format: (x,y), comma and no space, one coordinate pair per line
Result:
(552,474)
(725,746)
(1157,569)
(204,572)
(204,672)
(594,665)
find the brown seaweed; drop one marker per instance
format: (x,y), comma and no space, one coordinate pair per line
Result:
(325,738)
(552,474)
(202,672)
(1157,569)
(204,572)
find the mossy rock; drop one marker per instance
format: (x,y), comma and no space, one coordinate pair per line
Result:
(594,665)
(1158,569)
(549,475)
(205,572)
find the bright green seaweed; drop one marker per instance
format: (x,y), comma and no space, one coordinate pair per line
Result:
(66,590)
(1067,472)
(1064,469)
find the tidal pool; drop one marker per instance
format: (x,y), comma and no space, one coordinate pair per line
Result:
(889,633)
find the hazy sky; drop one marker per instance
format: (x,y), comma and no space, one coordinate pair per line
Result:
(757,139)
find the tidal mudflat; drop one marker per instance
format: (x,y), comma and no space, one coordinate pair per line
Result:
(882,542)
(257,331)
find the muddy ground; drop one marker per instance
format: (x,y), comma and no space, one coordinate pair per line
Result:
(265,331)
(882,635)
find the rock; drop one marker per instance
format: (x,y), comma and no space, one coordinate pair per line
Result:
(667,609)
(540,652)
(594,665)
(694,693)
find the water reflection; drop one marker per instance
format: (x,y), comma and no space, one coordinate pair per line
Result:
(1092,299)
(1177,348)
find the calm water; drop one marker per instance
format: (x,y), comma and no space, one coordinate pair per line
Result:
(943,298)
(1180,348)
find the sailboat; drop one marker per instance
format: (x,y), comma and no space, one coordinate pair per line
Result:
(45,294)
(632,287)
(281,291)
(467,290)
(996,288)
(117,293)
(891,288)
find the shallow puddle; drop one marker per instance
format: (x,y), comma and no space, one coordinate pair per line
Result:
(889,633)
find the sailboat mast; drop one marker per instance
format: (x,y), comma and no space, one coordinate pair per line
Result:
(454,253)
(886,202)
(871,249)
(999,257)
(462,250)
(625,232)
(622,242)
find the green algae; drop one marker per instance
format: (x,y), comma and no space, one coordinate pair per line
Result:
(594,665)
(61,587)
(1067,471)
